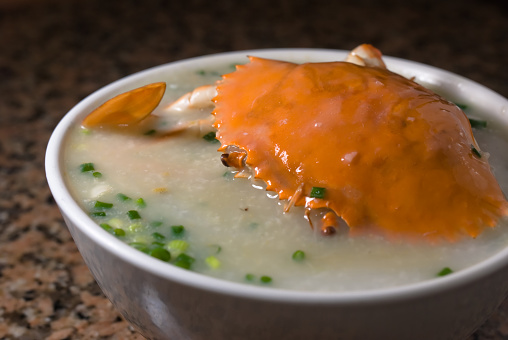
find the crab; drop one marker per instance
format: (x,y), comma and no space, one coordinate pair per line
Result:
(349,141)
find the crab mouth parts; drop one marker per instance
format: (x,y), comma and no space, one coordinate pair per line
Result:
(324,218)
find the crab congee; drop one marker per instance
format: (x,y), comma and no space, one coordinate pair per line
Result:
(325,177)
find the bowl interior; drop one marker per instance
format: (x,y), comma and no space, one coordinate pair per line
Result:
(452,86)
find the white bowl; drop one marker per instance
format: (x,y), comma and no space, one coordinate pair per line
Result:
(166,302)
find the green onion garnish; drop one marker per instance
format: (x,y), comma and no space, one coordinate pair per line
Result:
(210,137)
(184,261)
(159,244)
(266,279)
(250,277)
(253,225)
(133,215)
(298,255)
(106,227)
(149,132)
(85,167)
(161,254)
(115,222)
(140,246)
(201,72)
(476,123)
(317,192)
(228,175)
(177,229)
(445,271)
(155,224)
(103,205)
(99,214)
(119,232)
(158,236)
(476,152)
(141,203)
(97,174)
(135,227)
(177,246)
(212,262)
(218,248)
(123,197)
(85,131)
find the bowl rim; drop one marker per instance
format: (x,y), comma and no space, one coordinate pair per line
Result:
(70,208)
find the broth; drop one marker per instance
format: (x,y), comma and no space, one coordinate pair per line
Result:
(232,228)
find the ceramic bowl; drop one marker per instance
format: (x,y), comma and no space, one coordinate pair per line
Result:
(166,302)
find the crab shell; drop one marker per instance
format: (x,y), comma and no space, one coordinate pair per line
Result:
(394,157)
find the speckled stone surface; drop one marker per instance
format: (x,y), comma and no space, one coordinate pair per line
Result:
(54,53)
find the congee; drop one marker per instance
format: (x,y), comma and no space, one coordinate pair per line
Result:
(161,186)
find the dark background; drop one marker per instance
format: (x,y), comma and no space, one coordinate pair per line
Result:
(54,53)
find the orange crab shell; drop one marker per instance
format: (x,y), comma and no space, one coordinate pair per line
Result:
(393,156)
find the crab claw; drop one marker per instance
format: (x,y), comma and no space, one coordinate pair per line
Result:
(127,108)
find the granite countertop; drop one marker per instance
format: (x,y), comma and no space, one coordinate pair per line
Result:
(54,53)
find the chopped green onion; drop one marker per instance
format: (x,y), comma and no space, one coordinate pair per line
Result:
(184,261)
(228,175)
(445,271)
(476,123)
(140,246)
(317,192)
(298,255)
(133,215)
(177,229)
(85,167)
(141,203)
(161,254)
(156,243)
(212,262)
(97,174)
(103,205)
(106,227)
(266,279)
(250,277)
(476,152)
(218,248)
(99,214)
(149,132)
(178,246)
(119,232)
(123,197)
(146,239)
(201,72)
(85,131)
(135,227)
(210,137)
(115,222)
(158,236)
(253,225)
(155,224)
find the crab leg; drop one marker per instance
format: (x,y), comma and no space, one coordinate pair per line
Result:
(366,55)
(329,223)
(200,98)
(128,108)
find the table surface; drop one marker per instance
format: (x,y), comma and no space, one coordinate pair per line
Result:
(54,53)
